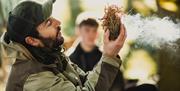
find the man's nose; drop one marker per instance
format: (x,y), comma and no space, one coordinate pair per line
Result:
(56,22)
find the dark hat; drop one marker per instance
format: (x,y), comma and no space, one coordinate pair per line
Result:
(26,16)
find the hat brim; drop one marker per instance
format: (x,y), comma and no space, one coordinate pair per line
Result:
(47,8)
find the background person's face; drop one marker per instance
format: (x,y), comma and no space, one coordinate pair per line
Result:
(88,34)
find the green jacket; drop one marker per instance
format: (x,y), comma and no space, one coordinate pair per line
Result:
(27,74)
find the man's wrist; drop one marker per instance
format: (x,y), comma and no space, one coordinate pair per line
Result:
(112,60)
(109,55)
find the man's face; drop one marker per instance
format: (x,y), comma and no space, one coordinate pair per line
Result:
(49,34)
(88,34)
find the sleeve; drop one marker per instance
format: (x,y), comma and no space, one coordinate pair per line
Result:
(100,79)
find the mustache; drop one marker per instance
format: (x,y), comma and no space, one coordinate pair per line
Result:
(58,28)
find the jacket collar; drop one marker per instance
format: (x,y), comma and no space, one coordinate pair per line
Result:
(14,50)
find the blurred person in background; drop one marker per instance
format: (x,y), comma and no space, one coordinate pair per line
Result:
(87,54)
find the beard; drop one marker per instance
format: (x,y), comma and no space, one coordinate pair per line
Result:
(53,44)
(51,50)
(51,53)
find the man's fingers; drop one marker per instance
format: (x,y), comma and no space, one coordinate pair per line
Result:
(122,33)
(125,35)
(124,39)
(122,28)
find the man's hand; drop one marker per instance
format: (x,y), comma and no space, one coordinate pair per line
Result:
(112,47)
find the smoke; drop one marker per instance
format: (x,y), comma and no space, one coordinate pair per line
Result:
(153,31)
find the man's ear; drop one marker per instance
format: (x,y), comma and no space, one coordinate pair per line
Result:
(33,41)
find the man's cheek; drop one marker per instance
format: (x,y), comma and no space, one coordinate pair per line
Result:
(51,31)
(46,34)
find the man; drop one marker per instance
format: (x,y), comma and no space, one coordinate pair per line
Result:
(86,55)
(33,40)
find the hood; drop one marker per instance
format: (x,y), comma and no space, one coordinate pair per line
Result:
(13,51)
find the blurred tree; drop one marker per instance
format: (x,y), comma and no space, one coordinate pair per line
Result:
(130,8)
(139,6)
(169,68)
(75,10)
(170,8)
(169,61)
(5,7)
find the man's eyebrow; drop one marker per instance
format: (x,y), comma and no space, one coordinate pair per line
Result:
(47,20)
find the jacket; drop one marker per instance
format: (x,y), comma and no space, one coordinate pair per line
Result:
(85,60)
(27,74)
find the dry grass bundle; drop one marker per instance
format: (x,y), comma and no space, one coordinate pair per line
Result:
(111,21)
